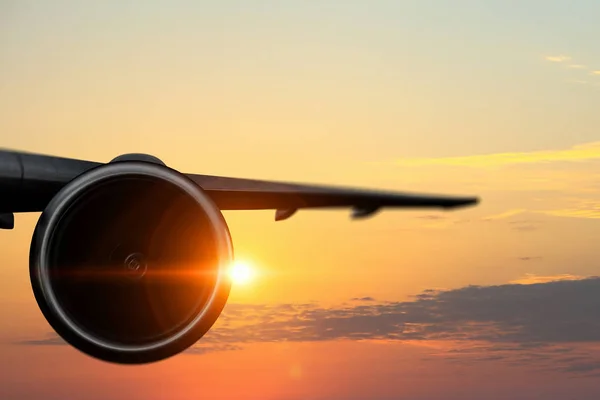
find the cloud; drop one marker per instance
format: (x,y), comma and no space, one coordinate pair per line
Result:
(577,153)
(551,324)
(574,213)
(520,225)
(574,66)
(504,215)
(525,226)
(570,171)
(548,325)
(530,279)
(520,219)
(530,258)
(367,298)
(435,221)
(558,58)
(582,208)
(432,217)
(578,212)
(531,313)
(201,348)
(52,339)
(590,211)
(584,367)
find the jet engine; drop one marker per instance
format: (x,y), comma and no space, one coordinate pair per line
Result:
(128,262)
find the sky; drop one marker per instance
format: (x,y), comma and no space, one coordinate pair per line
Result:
(497,99)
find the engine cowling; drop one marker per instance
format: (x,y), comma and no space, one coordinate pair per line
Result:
(128,262)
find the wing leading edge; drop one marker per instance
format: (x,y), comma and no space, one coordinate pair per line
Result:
(287,198)
(29,181)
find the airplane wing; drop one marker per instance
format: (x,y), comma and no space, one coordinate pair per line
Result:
(29,181)
(248,194)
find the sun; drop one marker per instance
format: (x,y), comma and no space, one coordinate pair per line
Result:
(241,272)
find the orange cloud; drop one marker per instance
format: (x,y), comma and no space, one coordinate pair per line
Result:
(530,279)
(506,214)
(589,213)
(559,58)
(574,213)
(581,152)
(583,208)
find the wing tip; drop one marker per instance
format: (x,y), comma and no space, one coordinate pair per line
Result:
(463,202)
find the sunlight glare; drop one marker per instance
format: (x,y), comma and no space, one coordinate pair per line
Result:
(241,272)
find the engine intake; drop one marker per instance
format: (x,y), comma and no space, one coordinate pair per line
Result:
(128,262)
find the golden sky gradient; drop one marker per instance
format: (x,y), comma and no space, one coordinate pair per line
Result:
(435,96)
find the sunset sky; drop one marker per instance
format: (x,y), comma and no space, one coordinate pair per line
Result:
(498,99)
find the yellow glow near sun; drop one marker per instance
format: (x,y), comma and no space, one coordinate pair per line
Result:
(241,272)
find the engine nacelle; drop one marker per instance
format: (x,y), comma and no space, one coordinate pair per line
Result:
(128,262)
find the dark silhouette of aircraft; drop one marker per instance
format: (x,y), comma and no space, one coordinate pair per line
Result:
(129,259)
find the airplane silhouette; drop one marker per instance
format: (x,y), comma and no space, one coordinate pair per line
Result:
(129,259)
